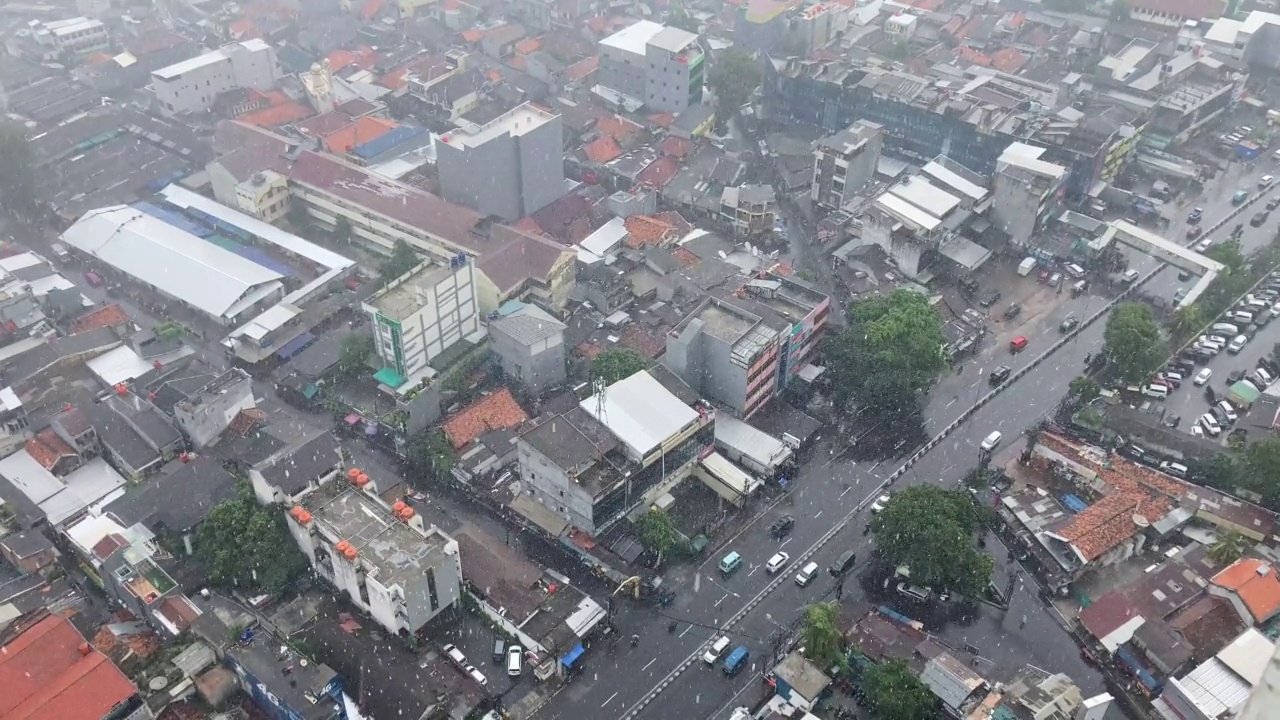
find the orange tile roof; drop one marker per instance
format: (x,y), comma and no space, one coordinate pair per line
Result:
(602,149)
(659,173)
(370,9)
(363,57)
(283,114)
(518,62)
(1008,60)
(970,55)
(1129,490)
(241,28)
(675,146)
(49,671)
(1016,20)
(582,68)
(685,257)
(527,45)
(105,316)
(646,230)
(473,36)
(361,131)
(47,449)
(663,120)
(618,128)
(1257,585)
(497,411)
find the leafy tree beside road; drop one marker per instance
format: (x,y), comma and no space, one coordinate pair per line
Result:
(820,634)
(890,354)
(614,365)
(931,531)
(354,356)
(18,190)
(1259,471)
(247,546)
(895,693)
(734,76)
(1085,389)
(430,455)
(1133,341)
(659,534)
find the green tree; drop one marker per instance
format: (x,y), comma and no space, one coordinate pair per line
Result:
(1133,341)
(357,349)
(1259,471)
(659,533)
(901,50)
(618,364)
(931,531)
(680,18)
(895,693)
(1187,321)
(18,188)
(735,75)
(247,546)
(1228,253)
(170,330)
(430,455)
(889,355)
(342,229)
(403,258)
(820,634)
(1085,388)
(1228,548)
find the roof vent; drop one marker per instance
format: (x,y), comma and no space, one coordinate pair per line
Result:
(1263,570)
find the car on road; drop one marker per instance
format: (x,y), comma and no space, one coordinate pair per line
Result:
(1178,296)
(1129,275)
(843,563)
(1018,344)
(515,660)
(990,300)
(777,562)
(999,375)
(1274,202)
(1203,376)
(1194,231)
(476,675)
(1197,431)
(807,574)
(1239,197)
(1012,311)
(1210,424)
(1228,411)
(713,653)
(1202,246)
(782,527)
(879,503)
(1195,215)
(1258,218)
(1265,181)
(730,563)
(991,441)
(453,653)
(1071,322)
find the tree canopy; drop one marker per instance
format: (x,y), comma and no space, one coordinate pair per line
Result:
(734,76)
(1259,470)
(1085,388)
(1133,341)
(18,193)
(820,633)
(247,546)
(618,364)
(931,531)
(890,353)
(430,454)
(403,259)
(895,693)
(659,533)
(1229,547)
(354,356)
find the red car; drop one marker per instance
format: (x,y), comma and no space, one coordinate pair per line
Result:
(1018,344)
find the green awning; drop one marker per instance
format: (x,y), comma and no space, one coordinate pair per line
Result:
(389,377)
(310,391)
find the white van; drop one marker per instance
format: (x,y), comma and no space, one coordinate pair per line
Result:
(1241,316)
(1175,469)
(514,660)
(991,441)
(807,574)
(455,654)
(1226,329)
(717,649)
(1156,391)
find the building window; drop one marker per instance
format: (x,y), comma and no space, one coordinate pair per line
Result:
(431,589)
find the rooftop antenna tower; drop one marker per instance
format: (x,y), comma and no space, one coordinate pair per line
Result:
(599,388)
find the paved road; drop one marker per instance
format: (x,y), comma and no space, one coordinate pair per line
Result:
(826,491)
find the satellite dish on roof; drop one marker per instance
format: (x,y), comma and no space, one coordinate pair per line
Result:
(1141,521)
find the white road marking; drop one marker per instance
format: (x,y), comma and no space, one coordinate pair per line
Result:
(646,667)
(818,515)
(784,543)
(686,632)
(846,491)
(754,568)
(726,597)
(953,402)
(611,697)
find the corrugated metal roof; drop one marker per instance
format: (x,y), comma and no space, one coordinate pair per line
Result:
(759,446)
(177,263)
(641,413)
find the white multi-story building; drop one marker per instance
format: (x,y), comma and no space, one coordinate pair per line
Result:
(76,36)
(1026,192)
(192,85)
(389,563)
(420,315)
(662,67)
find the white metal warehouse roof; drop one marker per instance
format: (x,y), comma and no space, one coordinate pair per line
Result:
(641,413)
(176,262)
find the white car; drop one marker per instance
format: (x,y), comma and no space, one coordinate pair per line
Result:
(477,675)
(1237,344)
(1228,410)
(1210,424)
(777,562)
(1204,244)
(1265,181)
(1203,376)
(1130,275)
(991,441)
(879,504)
(1197,431)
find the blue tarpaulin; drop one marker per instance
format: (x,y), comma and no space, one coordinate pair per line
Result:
(1131,661)
(295,346)
(1074,504)
(572,656)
